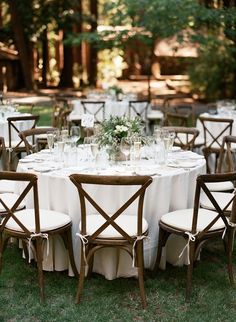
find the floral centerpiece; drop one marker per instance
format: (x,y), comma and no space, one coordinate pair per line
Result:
(115,128)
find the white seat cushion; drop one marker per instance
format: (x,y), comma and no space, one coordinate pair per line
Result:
(220,186)
(9,199)
(7,186)
(154,115)
(126,222)
(14,143)
(49,220)
(222,198)
(182,219)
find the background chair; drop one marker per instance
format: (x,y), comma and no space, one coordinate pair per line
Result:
(184,136)
(97,108)
(139,108)
(33,225)
(16,147)
(35,139)
(214,129)
(198,225)
(117,230)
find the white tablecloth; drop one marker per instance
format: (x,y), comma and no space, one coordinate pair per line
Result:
(172,189)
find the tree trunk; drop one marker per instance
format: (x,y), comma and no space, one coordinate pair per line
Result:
(92,78)
(45,57)
(23,46)
(77,28)
(67,70)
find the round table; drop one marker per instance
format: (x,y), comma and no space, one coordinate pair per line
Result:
(172,188)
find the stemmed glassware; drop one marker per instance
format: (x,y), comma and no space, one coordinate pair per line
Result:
(75,134)
(50,140)
(125,146)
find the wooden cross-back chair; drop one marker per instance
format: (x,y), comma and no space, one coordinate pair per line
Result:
(32,226)
(16,146)
(117,230)
(226,163)
(214,129)
(184,136)
(35,139)
(3,154)
(139,108)
(198,225)
(97,108)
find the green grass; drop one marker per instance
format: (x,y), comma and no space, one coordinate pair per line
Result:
(213,298)
(44,111)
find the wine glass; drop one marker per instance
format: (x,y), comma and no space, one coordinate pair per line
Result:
(50,140)
(75,134)
(125,146)
(172,139)
(94,147)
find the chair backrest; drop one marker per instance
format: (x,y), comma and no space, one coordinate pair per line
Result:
(29,137)
(201,186)
(184,136)
(227,156)
(82,181)
(30,181)
(214,129)
(14,126)
(97,108)
(179,115)
(138,108)
(3,155)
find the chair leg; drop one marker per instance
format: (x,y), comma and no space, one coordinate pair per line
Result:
(40,267)
(190,270)
(81,276)
(71,253)
(230,245)
(140,262)
(163,236)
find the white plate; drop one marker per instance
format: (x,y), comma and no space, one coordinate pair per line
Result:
(26,160)
(176,148)
(42,169)
(186,164)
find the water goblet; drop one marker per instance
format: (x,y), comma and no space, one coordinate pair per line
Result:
(50,140)
(125,146)
(75,134)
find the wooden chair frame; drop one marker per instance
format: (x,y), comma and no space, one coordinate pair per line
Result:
(199,238)
(31,146)
(24,234)
(94,107)
(140,113)
(94,242)
(226,153)
(214,145)
(184,136)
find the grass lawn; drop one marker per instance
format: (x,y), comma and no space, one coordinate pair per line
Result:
(213,298)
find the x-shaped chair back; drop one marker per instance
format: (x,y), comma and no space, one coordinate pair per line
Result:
(97,108)
(184,136)
(13,126)
(227,154)
(143,181)
(138,108)
(29,137)
(31,185)
(213,139)
(201,186)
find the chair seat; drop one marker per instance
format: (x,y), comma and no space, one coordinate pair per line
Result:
(127,222)
(9,199)
(154,115)
(222,198)
(14,143)
(7,186)
(182,219)
(49,220)
(220,186)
